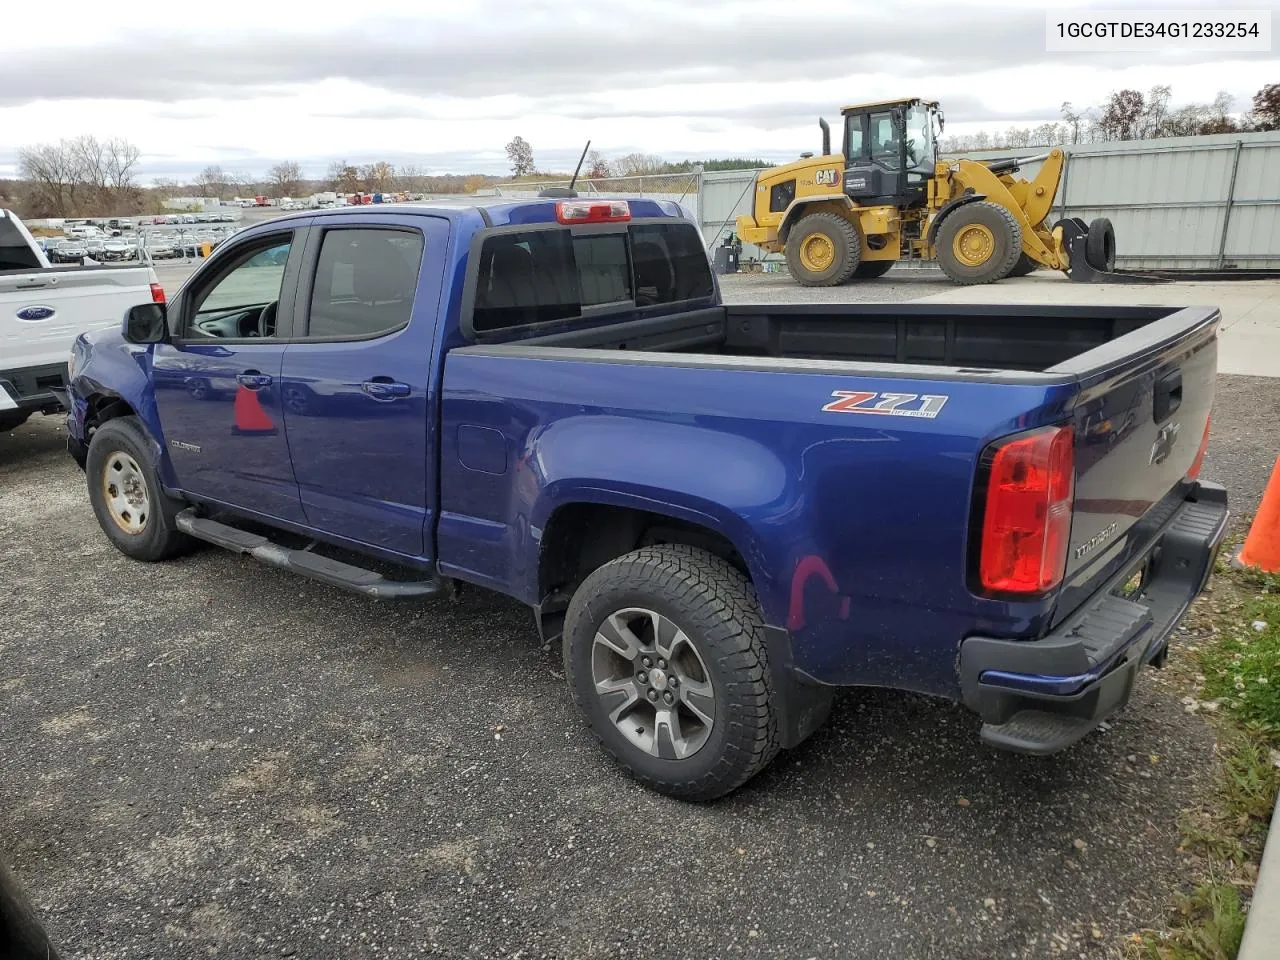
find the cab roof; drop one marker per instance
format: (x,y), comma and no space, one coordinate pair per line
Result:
(901,102)
(495,211)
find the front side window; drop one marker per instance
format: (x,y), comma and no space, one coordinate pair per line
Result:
(364,282)
(242,300)
(919,143)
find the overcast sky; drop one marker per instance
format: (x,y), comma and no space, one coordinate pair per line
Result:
(246,83)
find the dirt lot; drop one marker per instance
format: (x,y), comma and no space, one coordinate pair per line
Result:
(211,758)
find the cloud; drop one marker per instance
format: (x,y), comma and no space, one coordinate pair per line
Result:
(536,51)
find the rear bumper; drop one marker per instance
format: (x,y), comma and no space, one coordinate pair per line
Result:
(1040,696)
(39,389)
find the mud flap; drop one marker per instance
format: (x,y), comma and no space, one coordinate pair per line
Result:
(1075,239)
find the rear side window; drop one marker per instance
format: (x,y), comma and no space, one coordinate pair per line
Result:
(670,264)
(542,275)
(364,282)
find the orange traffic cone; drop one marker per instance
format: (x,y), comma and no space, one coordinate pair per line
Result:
(250,417)
(1261,550)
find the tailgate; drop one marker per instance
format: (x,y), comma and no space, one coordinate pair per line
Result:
(42,312)
(1140,422)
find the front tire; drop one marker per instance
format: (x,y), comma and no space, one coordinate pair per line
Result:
(664,652)
(823,250)
(979,242)
(133,511)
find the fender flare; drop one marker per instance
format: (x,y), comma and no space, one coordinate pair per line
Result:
(932,233)
(796,210)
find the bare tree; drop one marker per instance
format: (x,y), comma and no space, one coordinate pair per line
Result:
(54,177)
(410,178)
(1266,108)
(343,177)
(213,181)
(639,165)
(285,178)
(521,156)
(1121,114)
(1073,120)
(597,166)
(378,177)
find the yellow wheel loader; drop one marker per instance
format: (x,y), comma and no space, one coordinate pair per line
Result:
(888,197)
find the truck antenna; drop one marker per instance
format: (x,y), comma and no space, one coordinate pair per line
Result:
(578,168)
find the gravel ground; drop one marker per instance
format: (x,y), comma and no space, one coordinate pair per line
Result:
(212,758)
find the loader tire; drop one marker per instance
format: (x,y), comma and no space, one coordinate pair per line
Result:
(872,269)
(1100,245)
(1024,266)
(979,243)
(823,250)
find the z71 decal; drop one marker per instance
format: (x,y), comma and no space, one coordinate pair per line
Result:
(886,404)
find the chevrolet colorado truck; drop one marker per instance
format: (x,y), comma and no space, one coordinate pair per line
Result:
(723,513)
(43,308)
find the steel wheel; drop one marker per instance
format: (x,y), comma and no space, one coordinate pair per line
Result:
(653,683)
(974,244)
(125,490)
(817,252)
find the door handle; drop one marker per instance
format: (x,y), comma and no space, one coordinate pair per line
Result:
(384,388)
(36,284)
(253,380)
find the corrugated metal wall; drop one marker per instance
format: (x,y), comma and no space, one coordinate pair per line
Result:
(1168,199)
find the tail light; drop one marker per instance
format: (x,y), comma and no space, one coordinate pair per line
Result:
(1026,512)
(1198,462)
(157,293)
(593,211)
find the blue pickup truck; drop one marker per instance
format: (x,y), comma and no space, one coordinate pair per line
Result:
(724,513)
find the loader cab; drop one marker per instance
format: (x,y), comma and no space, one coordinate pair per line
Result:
(890,149)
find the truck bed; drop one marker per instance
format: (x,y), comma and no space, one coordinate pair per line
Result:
(950,339)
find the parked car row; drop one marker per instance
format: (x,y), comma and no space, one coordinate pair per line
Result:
(164,245)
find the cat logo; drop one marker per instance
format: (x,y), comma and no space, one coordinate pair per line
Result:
(826,178)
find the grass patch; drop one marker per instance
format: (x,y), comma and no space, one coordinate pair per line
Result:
(1239,686)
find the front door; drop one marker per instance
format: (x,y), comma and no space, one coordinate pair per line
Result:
(355,380)
(217,382)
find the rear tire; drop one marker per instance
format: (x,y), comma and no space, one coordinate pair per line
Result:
(823,250)
(132,509)
(872,269)
(1024,266)
(979,242)
(651,713)
(1100,245)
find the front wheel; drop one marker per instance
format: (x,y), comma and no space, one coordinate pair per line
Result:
(664,653)
(978,243)
(124,490)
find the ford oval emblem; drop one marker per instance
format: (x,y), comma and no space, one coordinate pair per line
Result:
(36,313)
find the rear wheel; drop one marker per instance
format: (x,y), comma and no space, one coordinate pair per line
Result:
(871,269)
(664,653)
(125,493)
(1024,266)
(978,243)
(1100,245)
(823,250)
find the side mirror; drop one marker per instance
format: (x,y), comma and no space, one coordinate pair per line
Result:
(146,323)
(942,121)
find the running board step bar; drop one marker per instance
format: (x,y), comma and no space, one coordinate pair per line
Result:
(307,564)
(1036,732)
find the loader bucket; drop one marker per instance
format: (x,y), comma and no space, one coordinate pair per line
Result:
(1082,269)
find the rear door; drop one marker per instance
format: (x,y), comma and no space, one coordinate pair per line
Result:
(355,380)
(1140,424)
